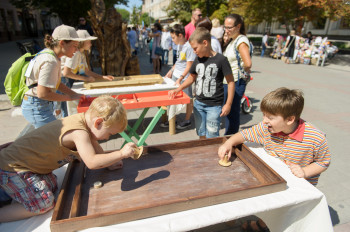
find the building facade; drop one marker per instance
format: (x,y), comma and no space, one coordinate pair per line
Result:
(156,9)
(16,24)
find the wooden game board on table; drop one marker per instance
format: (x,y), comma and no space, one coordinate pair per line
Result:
(138,80)
(166,179)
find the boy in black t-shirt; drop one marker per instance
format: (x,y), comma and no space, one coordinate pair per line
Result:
(208,70)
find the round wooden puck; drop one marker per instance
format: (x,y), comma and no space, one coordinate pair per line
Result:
(138,152)
(97,184)
(225,162)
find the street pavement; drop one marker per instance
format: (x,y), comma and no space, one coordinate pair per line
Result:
(327,100)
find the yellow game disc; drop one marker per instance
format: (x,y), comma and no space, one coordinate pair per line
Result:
(138,152)
(225,162)
(97,184)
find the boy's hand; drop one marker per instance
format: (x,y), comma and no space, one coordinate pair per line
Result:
(225,149)
(225,110)
(108,77)
(128,150)
(173,93)
(297,170)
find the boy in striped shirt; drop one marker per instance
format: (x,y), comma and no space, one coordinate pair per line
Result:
(284,135)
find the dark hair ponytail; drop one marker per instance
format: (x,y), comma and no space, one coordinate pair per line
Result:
(238,20)
(50,42)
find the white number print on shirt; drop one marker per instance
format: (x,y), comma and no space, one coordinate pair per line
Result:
(206,79)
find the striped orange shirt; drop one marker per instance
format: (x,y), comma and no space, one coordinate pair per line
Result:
(304,146)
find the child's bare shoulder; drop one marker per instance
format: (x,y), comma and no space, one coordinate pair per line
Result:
(76,135)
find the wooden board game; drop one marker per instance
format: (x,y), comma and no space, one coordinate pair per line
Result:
(125,81)
(167,178)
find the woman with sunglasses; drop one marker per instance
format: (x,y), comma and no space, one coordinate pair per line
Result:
(238,55)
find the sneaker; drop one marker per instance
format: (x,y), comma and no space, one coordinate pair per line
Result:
(183,125)
(164,124)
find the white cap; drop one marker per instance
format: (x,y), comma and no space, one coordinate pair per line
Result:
(84,34)
(65,32)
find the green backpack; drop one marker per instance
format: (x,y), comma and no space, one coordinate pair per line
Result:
(15,81)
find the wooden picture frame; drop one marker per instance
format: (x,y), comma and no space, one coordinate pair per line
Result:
(167,178)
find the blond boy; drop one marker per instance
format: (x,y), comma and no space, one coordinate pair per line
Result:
(26,165)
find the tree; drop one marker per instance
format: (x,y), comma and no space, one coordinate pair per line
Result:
(182,9)
(69,11)
(135,15)
(289,12)
(125,14)
(147,20)
(221,13)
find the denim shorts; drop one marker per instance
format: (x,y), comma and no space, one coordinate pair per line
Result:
(34,191)
(207,119)
(37,112)
(188,90)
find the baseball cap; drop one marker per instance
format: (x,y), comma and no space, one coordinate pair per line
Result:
(65,32)
(84,34)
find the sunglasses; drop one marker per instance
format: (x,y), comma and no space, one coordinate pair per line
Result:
(200,15)
(229,28)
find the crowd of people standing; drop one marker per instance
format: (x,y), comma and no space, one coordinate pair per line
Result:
(236,47)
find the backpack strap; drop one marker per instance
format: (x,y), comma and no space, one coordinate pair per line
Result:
(30,58)
(238,56)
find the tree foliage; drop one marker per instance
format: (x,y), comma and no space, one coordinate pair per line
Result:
(182,9)
(125,14)
(135,15)
(221,13)
(147,20)
(69,11)
(289,12)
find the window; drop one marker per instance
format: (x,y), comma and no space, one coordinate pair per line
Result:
(344,23)
(319,23)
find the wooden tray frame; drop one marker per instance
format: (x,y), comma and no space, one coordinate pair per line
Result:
(125,81)
(72,185)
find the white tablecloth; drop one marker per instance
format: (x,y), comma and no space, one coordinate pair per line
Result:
(166,85)
(301,207)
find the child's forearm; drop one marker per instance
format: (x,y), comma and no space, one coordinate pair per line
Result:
(235,139)
(313,169)
(102,160)
(187,69)
(68,73)
(88,72)
(187,82)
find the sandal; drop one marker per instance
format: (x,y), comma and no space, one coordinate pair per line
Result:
(249,227)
